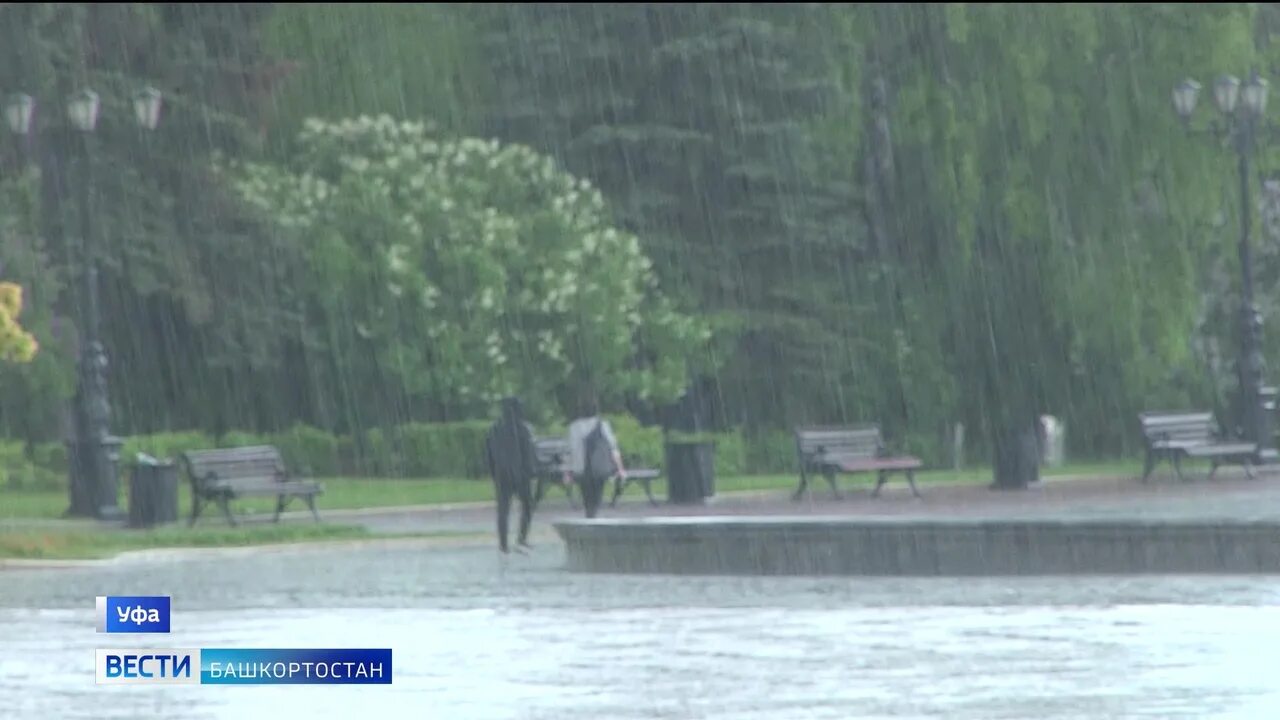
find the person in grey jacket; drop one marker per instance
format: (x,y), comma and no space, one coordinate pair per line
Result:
(592,488)
(509,453)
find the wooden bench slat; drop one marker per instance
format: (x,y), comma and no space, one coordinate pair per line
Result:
(1179,434)
(1223,449)
(903,463)
(271,487)
(551,454)
(220,475)
(856,449)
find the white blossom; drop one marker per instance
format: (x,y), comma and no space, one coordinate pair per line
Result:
(456,184)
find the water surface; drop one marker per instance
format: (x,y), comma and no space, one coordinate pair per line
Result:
(477,638)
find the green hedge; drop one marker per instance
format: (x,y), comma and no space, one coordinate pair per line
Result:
(51,456)
(412,450)
(236,438)
(165,446)
(424,450)
(641,446)
(771,453)
(442,449)
(309,451)
(18,471)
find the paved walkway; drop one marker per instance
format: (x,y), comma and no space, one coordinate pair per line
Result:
(1230,496)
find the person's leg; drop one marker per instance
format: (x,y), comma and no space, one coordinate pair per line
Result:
(504,506)
(526,511)
(591,492)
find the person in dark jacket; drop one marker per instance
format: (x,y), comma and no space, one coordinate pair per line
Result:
(510,455)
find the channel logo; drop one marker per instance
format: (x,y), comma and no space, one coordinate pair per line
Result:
(309,666)
(228,666)
(133,613)
(148,667)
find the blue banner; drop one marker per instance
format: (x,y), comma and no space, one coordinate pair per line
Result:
(133,613)
(307,666)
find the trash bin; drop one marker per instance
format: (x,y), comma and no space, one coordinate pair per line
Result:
(153,492)
(691,471)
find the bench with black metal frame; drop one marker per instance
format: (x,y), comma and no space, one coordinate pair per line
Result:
(644,476)
(1178,435)
(828,451)
(223,475)
(552,458)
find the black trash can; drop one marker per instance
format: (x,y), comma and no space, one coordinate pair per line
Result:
(153,492)
(691,471)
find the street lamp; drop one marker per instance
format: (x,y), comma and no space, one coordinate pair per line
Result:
(146,108)
(19,112)
(94,485)
(1243,124)
(82,109)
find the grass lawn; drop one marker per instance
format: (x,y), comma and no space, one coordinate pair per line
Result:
(351,493)
(87,543)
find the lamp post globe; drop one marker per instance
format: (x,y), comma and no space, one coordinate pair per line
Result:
(18,112)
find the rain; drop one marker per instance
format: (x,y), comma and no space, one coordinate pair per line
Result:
(645,360)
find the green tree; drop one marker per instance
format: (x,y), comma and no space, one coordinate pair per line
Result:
(415,60)
(1048,200)
(697,122)
(190,290)
(33,390)
(467,270)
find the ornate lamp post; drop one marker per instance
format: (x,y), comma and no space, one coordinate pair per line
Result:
(1243,124)
(94,485)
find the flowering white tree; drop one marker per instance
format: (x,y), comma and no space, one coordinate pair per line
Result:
(473,269)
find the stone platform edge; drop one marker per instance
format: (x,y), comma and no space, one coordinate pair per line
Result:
(920,547)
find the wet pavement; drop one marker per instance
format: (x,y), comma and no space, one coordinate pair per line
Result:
(1229,496)
(477,635)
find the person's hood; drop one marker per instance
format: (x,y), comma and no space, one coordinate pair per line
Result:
(512,412)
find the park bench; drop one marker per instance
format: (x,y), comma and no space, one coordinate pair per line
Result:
(829,451)
(1177,435)
(644,476)
(552,458)
(223,475)
(552,455)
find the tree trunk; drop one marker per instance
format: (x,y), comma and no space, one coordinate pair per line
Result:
(1017,456)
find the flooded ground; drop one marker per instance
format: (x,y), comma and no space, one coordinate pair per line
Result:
(476,638)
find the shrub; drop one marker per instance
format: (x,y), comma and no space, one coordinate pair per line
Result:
(41,478)
(11,453)
(14,466)
(17,477)
(770,453)
(929,447)
(640,445)
(731,454)
(453,449)
(348,456)
(308,451)
(443,449)
(379,457)
(383,204)
(51,456)
(164,446)
(237,438)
